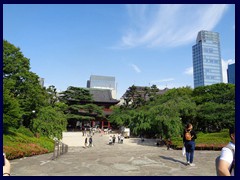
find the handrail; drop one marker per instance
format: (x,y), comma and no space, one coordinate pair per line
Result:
(59,149)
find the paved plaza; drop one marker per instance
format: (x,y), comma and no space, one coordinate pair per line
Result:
(132,158)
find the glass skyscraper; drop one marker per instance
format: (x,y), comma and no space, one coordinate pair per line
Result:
(231,73)
(207,64)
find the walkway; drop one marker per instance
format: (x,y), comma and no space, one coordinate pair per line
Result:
(132,158)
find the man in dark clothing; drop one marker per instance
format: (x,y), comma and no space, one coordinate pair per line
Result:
(189,137)
(90,142)
(114,138)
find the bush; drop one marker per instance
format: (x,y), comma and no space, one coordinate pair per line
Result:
(25,131)
(207,141)
(17,145)
(23,150)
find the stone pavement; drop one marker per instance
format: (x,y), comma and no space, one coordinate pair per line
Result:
(132,158)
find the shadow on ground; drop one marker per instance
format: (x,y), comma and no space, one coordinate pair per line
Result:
(146,142)
(172,159)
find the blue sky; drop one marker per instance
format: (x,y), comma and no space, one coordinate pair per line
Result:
(137,44)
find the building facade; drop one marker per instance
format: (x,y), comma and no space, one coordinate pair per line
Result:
(207,64)
(103,82)
(102,98)
(231,73)
(41,81)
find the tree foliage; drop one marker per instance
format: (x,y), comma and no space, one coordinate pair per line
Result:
(79,104)
(135,98)
(50,122)
(209,109)
(22,84)
(216,107)
(25,101)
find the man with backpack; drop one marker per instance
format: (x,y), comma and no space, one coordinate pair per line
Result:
(189,137)
(225,163)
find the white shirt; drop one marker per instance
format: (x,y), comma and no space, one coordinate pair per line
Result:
(227,154)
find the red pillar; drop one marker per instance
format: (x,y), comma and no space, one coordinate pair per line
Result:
(108,124)
(102,124)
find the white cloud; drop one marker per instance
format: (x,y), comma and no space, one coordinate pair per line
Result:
(225,67)
(136,68)
(189,71)
(169,25)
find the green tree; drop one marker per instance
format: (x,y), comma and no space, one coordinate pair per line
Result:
(80,105)
(22,84)
(163,114)
(50,122)
(216,106)
(12,112)
(52,95)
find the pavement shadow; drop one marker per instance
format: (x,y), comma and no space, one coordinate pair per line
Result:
(172,159)
(146,142)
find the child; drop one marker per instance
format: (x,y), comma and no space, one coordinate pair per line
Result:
(169,143)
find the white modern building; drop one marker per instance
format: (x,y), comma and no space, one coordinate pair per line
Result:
(103,82)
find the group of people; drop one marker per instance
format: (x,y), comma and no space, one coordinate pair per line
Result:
(226,164)
(88,142)
(112,139)
(88,133)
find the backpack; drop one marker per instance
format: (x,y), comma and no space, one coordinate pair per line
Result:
(218,159)
(188,136)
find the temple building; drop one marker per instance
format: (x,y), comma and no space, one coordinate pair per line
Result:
(102,98)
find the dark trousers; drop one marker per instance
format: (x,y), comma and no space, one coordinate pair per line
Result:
(190,147)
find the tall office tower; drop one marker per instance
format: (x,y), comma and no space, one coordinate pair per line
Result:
(207,64)
(103,82)
(231,73)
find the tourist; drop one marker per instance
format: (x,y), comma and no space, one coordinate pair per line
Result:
(114,138)
(169,144)
(121,139)
(110,140)
(90,142)
(189,137)
(226,165)
(86,142)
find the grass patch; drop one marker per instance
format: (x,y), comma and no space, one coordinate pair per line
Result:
(207,141)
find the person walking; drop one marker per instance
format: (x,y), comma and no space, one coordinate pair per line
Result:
(114,138)
(119,137)
(189,137)
(169,144)
(86,142)
(226,165)
(90,142)
(110,141)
